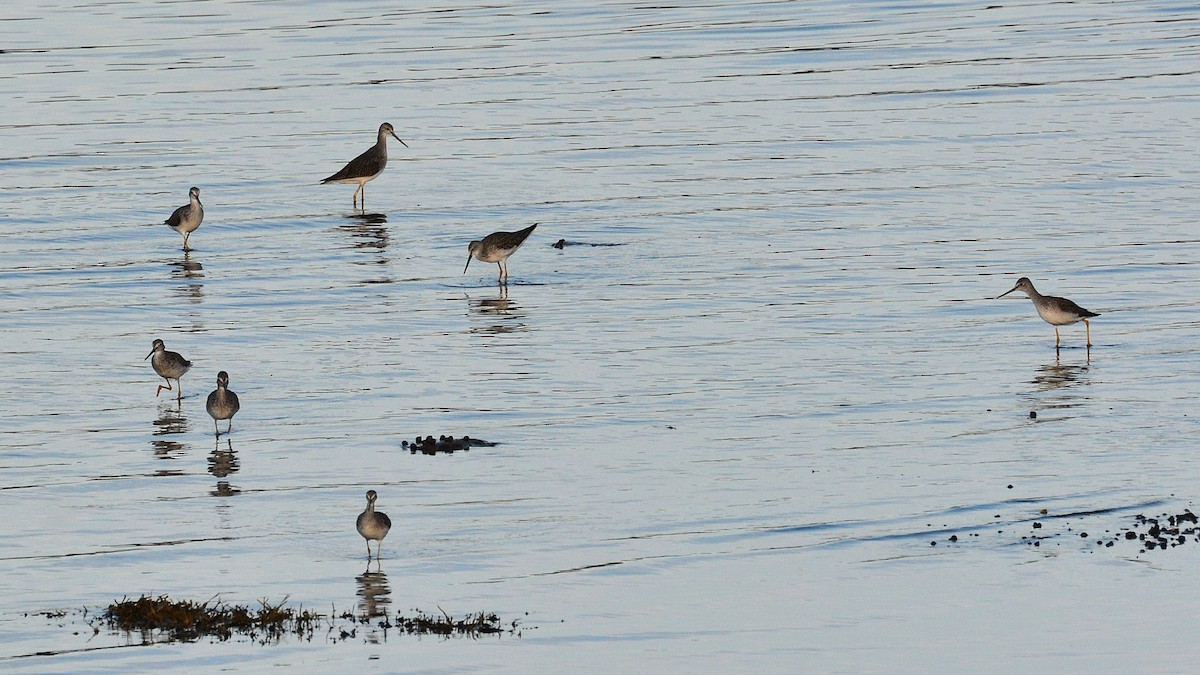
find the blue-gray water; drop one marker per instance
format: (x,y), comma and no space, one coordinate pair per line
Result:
(727,438)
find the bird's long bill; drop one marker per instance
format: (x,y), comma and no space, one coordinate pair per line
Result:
(1006,292)
(398,138)
(149,355)
(469,256)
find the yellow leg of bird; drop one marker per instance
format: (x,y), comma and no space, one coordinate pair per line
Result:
(1089,332)
(1057,337)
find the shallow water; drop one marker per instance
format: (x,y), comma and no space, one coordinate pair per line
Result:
(726,438)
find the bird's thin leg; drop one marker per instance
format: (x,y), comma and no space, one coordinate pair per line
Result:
(180,384)
(1089,332)
(230,429)
(161,387)
(500,271)
(185,240)
(1057,338)
(216,428)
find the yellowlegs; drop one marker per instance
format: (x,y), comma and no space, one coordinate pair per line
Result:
(1053,310)
(169,366)
(372,524)
(367,166)
(497,247)
(186,219)
(222,404)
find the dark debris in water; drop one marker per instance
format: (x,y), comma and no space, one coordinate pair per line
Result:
(563,243)
(1150,533)
(159,618)
(444,444)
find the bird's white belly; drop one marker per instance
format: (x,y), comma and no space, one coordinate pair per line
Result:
(1057,317)
(361,180)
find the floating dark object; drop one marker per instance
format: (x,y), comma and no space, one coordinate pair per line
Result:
(1033,414)
(444,444)
(563,243)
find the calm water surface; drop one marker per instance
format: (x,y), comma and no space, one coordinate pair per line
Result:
(730,421)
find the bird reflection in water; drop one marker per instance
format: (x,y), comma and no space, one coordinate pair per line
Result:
(170,420)
(190,272)
(499,314)
(368,234)
(374,596)
(222,463)
(1057,384)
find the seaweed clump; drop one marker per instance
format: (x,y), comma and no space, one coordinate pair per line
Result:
(188,620)
(470,626)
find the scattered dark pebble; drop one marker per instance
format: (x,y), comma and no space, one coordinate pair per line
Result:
(933,543)
(1037,525)
(1010,486)
(443,444)
(1033,414)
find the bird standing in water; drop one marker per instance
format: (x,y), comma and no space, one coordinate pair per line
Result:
(1054,310)
(367,166)
(169,366)
(186,219)
(497,247)
(372,524)
(222,404)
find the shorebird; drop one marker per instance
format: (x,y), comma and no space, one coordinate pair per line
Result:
(373,524)
(367,166)
(169,365)
(497,247)
(222,404)
(1054,310)
(186,219)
